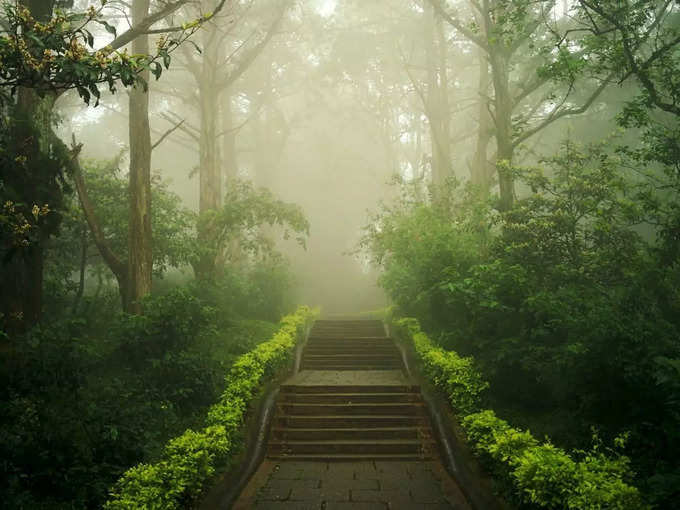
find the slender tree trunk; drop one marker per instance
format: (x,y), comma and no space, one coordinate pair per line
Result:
(139,241)
(229,160)
(83,267)
(210,174)
(437,107)
(480,164)
(21,279)
(503,123)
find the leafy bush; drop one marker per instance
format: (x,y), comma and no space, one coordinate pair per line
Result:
(454,375)
(568,303)
(188,462)
(540,474)
(82,400)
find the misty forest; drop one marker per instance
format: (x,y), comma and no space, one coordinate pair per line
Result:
(438,240)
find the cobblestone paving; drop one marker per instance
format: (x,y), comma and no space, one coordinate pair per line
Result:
(291,485)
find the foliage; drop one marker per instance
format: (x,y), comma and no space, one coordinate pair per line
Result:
(540,474)
(171,222)
(83,399)
(455,376)
(567,302)
(188,462)
(420,243)
(58,54)
(237,230)
(258,290)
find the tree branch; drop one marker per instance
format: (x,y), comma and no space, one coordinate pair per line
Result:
(144,26)
(251,55)
(117,266)
(167,133)
(479,41)
(555,114)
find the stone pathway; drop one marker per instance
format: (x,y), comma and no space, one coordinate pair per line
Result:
(351,432)
(374,485)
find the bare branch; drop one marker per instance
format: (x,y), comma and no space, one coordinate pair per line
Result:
(167,133)
(479,41)
(117,266)
(558,113)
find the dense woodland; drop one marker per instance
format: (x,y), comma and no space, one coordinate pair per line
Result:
(177,175)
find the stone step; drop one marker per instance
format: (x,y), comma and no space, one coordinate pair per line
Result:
(337,367)
(352,457)
(350,344)
(349,340)
(346,398)
(348,332)
(394,446)
(349,348)
(338,335)
(357,421)
(344,359)
(364,388)
(395,409)
(300,434)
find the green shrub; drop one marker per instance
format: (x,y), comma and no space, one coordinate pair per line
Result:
(541,475)
(190,460)
(454,375)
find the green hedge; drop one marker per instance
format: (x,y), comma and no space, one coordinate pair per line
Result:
(189,461)
(541,475)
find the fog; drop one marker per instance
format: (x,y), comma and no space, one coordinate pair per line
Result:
(325,103)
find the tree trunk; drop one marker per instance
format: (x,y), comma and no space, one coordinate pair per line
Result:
(229,142)
(480,165)
(140,262)
(22,275)
(436,101)
(82,269)
(210,175)
(503,123)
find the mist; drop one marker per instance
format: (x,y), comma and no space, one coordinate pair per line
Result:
(473,203)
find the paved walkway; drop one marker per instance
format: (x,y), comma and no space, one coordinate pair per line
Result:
(337,406)
(351,485)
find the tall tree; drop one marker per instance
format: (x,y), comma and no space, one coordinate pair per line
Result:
(139,245)
(214,73)
(517,44)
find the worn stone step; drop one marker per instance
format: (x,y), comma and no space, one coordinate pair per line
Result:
(396,446)
(345,398)
(349,344)
(354,338)
(341,359)
(336,367)
(347,332)
(358,340)
(355,421)
(352,457)
(301,434)
(404,409)
(364,388)
(320,350)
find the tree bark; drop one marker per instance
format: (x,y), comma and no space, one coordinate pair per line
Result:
(22,275)
(140,262)
(210,175)
(503,122)
(480,175)
(437,103)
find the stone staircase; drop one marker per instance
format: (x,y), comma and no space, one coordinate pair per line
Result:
(350,345)
(365,420)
